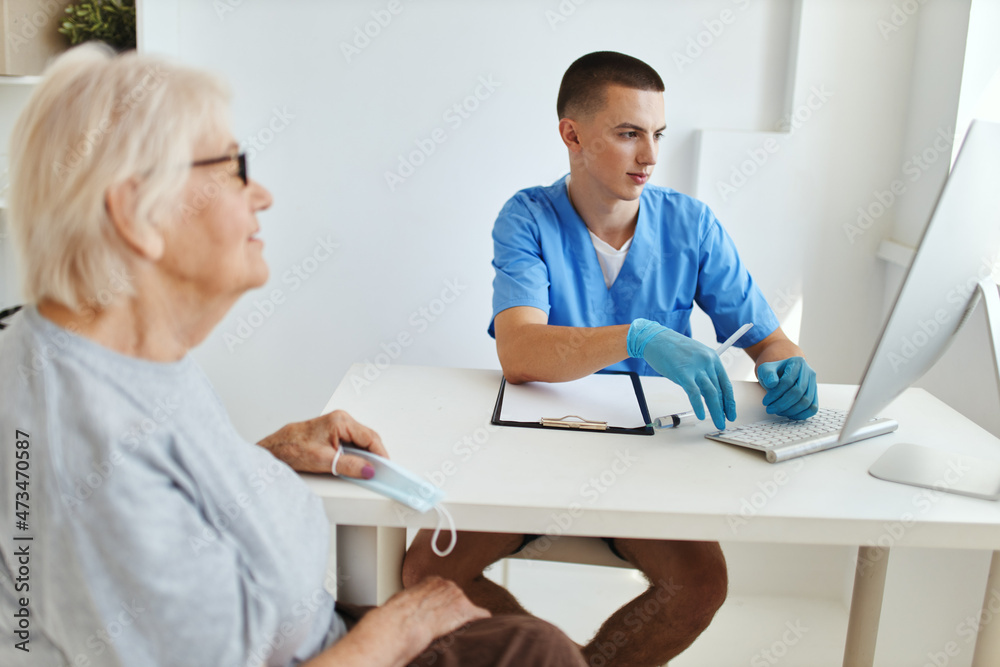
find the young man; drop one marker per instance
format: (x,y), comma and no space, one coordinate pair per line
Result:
(597,271)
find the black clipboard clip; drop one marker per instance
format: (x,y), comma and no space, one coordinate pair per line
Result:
(574,421)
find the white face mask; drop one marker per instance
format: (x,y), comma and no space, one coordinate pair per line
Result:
(396,482)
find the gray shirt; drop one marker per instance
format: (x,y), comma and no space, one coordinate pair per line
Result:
(158,535)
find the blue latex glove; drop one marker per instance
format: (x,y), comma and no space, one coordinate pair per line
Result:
(791,388)
(692,365)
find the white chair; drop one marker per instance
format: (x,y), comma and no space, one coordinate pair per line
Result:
(566,549)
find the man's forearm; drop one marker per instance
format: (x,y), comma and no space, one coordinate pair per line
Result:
(547,353)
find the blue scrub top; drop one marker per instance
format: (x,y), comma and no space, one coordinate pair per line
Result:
(680,255)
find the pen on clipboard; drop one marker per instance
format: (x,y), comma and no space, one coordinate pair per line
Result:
(688,417)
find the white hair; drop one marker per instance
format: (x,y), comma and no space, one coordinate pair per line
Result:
(96,120)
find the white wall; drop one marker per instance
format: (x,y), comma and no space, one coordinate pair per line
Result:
(846,100)
(965,377)
(13,97)
(398,249)
(344,120)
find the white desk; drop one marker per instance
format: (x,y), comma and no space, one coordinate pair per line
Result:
(675,484)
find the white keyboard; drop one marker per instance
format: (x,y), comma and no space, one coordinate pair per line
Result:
(781,438)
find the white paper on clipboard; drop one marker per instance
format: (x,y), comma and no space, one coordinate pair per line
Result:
(602,397)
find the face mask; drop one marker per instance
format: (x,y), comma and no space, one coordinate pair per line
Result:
(396,482)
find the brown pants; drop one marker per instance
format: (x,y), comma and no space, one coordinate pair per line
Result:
(500,641)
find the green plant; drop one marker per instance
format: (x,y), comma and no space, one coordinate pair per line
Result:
(110,21)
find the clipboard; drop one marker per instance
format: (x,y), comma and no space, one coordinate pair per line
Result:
(552,397)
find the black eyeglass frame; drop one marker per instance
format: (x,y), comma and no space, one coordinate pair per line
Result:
(241,162)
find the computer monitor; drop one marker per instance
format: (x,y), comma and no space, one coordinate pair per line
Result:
(957,251)
(952,268)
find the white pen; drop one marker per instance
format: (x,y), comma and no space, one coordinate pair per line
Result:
(735,337)
(688,417)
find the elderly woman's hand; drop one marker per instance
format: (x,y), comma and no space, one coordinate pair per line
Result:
(400,630)
(421,614)
(310,446)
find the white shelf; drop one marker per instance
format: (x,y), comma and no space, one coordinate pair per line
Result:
(895,253)
(19,80)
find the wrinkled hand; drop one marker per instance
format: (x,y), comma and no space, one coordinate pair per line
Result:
(421,614)
(401,629)
(692,365)
(309,446)
(791,388)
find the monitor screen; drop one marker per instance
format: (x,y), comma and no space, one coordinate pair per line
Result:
(958,250)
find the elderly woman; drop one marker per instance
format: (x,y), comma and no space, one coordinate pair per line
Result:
(139,528)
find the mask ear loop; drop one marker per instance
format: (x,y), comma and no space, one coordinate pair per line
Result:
(444,514)
(336,457)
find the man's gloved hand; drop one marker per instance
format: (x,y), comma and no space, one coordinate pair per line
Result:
(791,388)
(692,365)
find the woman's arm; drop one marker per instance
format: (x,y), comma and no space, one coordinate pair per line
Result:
(397,632)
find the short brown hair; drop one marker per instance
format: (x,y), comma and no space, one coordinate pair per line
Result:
(583,84)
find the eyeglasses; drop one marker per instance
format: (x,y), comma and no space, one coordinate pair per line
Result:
(241,162)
